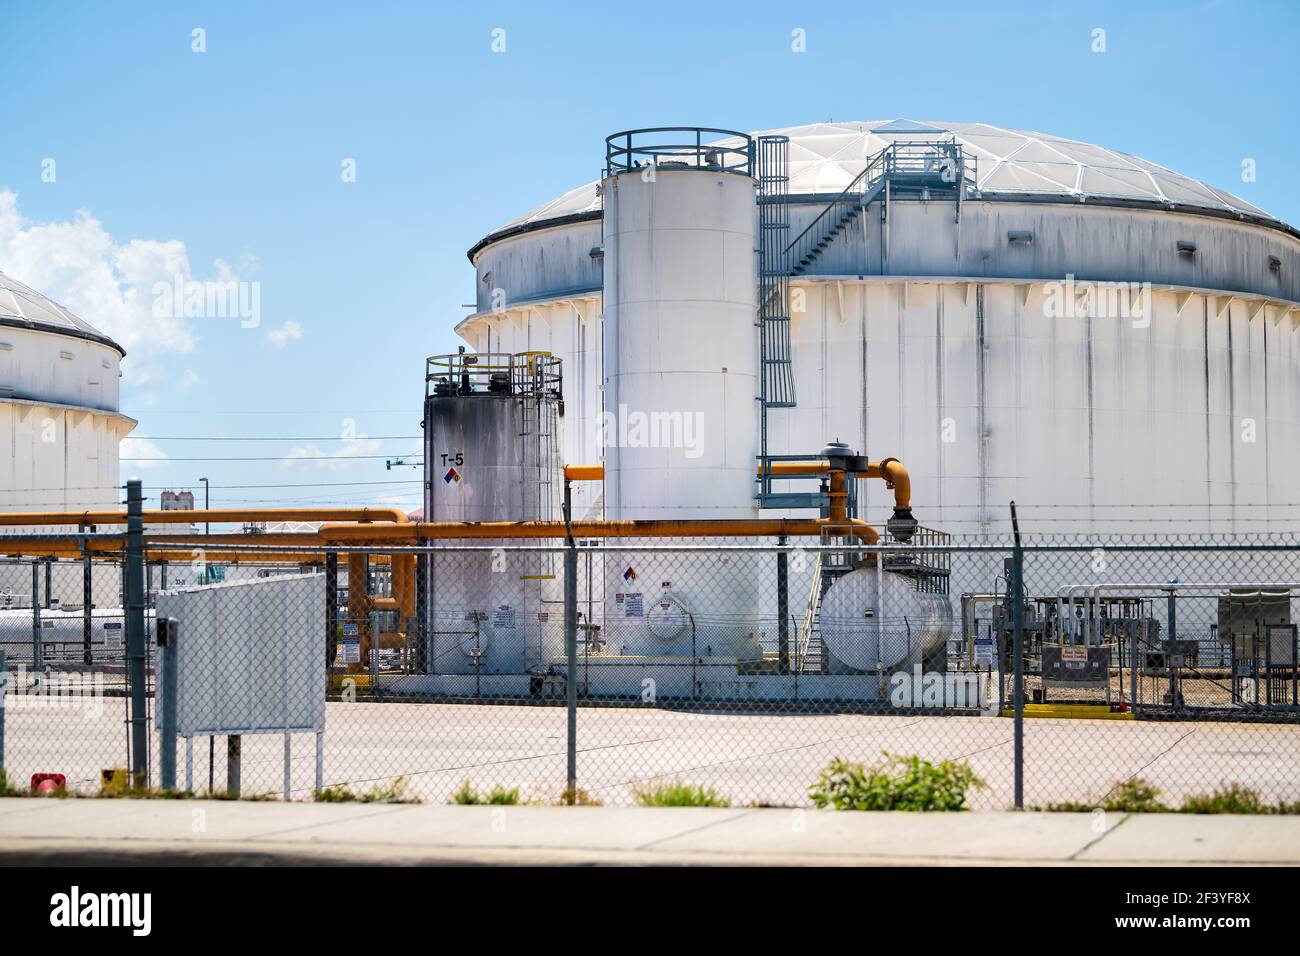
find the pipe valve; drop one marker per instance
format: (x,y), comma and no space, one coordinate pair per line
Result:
(901,525)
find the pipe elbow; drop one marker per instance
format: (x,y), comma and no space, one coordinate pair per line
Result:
(894,472)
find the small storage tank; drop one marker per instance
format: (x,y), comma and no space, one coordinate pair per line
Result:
(490,424)
(688,621)
(62,634)
(872,622)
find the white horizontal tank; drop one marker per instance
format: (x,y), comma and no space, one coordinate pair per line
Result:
(872,621)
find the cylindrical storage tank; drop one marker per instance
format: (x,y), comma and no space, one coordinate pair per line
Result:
(60,427)
(680,418)
(489,428)
(881,622)
(1060,308)
(62,635)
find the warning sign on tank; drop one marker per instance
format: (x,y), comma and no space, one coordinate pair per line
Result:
(504,617)
(452,476)
(634,604)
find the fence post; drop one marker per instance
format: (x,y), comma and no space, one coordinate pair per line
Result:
(1171,647)
(422,656)
(374,654)
(87,605)
(135,637)
(234,751)
(1018,654)
(36,617)
(331,604)
(1133,664)
(4,701)
(571,645)
(167,637)
(782,607)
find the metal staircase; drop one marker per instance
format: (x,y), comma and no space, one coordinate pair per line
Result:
(914,170)
(921,171)
(810,655)
(809,649)
(839,212)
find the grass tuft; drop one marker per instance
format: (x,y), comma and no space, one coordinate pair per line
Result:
(467,796)
(895,783)
(678,794)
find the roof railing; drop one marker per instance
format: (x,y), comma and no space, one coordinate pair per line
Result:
(492,373)
(659,146)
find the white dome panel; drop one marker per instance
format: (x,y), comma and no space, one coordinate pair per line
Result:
(825,157)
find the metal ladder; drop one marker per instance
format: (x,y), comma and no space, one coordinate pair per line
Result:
(772,162)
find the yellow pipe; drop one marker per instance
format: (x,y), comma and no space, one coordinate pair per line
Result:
(890,469)
(838,496)
(795,469)
(896,477)
(417,531)
(584,472)
(406,596)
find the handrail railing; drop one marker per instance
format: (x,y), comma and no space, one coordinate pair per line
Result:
(838,200)
(911,169)
(484,373)
(637,148)
(803,639)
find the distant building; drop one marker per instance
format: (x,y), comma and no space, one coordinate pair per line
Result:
(178,501)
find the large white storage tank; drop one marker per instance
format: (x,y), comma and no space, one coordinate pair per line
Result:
(680,423)
(680,419)
(949,334)
(60,428)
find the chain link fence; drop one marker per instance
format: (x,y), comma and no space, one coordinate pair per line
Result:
(741,665)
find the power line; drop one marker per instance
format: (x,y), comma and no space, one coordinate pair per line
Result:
(191,486)
(260,438)
(270,458)
(281,411)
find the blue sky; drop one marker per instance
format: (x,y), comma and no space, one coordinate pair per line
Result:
(236,153)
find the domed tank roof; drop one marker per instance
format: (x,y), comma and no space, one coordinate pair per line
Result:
(24,307)
(1012,164)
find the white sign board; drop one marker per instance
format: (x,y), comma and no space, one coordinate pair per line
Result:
(250,655)
(351,650)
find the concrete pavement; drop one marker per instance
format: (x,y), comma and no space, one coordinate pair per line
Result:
(213,832)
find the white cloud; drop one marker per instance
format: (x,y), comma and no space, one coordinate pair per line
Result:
(139,453)
(314,456)
(286,333)
(190,378)
(78,264)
